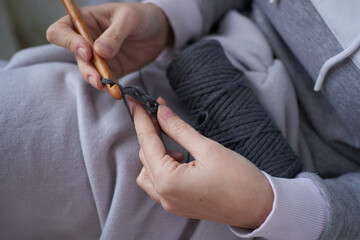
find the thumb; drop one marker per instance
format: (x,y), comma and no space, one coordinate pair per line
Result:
(181,132)
(109,42)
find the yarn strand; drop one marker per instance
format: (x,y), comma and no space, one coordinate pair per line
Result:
(147,102)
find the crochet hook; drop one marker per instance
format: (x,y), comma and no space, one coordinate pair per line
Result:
(98,61)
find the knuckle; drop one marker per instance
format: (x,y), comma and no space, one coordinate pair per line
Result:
(128,16)
(71,45)
(50,33)
(113,37)
(154,198)
(86,12)
(128,11)
(211,149)
(140,154)
(139,181)
(169,207)
(211,146)
(141,139)
(217,147)
(144,138)
(164,186)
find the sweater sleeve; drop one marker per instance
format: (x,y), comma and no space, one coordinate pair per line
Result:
(342,195)
(299,211)
(191,19)
(310,207)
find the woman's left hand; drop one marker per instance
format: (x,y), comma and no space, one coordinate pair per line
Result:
(219,185)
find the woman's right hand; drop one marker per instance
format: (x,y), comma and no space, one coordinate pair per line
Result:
(128,36)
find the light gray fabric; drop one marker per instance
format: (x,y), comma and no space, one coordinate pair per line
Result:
(69,155)
(343,197)
(44,186)
(338,14)
(328,160)
(333,112)
(321,124)
(69,158)
(212,10)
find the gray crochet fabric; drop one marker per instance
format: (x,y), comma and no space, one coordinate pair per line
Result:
(224,109)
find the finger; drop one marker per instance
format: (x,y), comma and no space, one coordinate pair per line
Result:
(145,164)
(178,156)
(122,24)
(151,144)
(152,117)
(145,183)
(180,131)
(62,33)
(156,124)
(89,73)
(161,101)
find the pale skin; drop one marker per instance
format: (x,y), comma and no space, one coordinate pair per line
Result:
(219,185)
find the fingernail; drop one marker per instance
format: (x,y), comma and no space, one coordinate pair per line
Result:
(105,48)
(82,53)
(165,113)
(161,100)
(92,81)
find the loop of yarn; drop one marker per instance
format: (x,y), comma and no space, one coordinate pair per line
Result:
(226,110)
(147,102)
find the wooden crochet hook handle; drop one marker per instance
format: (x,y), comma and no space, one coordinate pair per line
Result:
(98,61)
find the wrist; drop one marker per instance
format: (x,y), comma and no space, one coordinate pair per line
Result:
(265,204)
(183,26)
(169,30)
(169,33)
(260,204)
(299,211)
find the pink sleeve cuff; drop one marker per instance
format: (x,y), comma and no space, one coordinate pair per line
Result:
(299,212)
(184,17)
